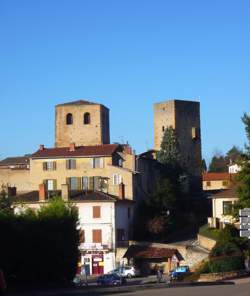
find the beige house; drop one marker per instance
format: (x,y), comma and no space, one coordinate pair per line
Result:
(217,181)
(222,204)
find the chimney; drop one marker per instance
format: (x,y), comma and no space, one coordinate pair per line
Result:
(65,192)
(72,147)
(42,192)
(41,147)
(121,190)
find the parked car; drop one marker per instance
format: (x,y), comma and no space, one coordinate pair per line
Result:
(179,272)
(126,271)
(112,279)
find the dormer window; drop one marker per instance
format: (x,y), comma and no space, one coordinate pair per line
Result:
(69,119)
(86,118)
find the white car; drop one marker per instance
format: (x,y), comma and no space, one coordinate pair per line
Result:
(126,271)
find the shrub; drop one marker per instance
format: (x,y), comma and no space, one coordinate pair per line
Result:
(223,264)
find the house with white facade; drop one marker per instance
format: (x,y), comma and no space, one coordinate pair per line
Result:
(104,224)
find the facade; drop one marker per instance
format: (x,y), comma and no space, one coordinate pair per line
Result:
(217,181)
(104,224)
(184,117)
(222,204)
(81,122)
(234,168)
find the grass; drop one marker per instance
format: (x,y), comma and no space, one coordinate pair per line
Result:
(212,233)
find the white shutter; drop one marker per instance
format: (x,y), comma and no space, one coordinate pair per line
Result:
(120,179)
(101,163)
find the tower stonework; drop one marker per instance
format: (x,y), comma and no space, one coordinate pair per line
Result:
(184,117)
(81,122)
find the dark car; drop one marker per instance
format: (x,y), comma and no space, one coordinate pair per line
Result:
(110,280)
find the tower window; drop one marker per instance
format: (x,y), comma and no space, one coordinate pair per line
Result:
(86,118)
(163,128)
(69,119)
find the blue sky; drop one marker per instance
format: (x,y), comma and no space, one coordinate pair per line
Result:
(126,54)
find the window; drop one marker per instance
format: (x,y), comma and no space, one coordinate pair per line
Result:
(208,183)
(96,212)
(69,119)
(117,179)
(70,164)
(120,162)
(50,184)
(97,235)
(227,207)
(85,183)
(163,128)
(224,183)
(129,213)
(97,162)
(86,118)
(49,166)
(82,236)
(74,183)
(120,235)
(97,183)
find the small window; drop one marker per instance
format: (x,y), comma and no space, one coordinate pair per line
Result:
(97,163)
(49,165)
(208,183)
(70,164)
(86,118)
(120,235)
(50,184)
(163,128)
(224,183)
(97,235)
(96,212)
(69,119)
(227,207)
(116,179)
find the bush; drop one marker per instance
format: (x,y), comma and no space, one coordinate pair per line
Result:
(225,249)
(40,247)
(225,264)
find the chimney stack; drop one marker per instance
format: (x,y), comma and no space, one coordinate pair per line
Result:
(121,190)
(41,148)
(65,192)
(72,147)
(42,192)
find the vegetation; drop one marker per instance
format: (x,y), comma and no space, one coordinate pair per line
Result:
(39,247)
(228,253)
(212,233)
(219,162)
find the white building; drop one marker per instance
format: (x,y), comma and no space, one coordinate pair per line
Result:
(234,168)
(104,225)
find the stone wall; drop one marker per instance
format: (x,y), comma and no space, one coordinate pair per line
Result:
(205,242)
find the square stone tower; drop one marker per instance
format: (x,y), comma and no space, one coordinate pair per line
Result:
(81,122)
(184,117)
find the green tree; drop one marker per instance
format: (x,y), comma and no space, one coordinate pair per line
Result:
(169,153)
(218,164)
(233,154)
(243,177)
(204,165)
(5,201)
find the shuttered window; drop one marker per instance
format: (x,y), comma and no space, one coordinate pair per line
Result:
(91,183)
(97,163)
(50,184)
(97,235)
(85,184)
(117,179)
(96,212)
(82,236)
(74,183)
(70,164)
(49,165)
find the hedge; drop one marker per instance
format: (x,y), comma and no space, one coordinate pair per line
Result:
(223,264)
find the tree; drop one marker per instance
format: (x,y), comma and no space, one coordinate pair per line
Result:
(218,164)
(169,153)
(233,154)
(243,177)
(204,165)
(5,202)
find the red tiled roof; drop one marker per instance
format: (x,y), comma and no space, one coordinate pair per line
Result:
(147,252)
(217,176)
(78,102)
(81,151)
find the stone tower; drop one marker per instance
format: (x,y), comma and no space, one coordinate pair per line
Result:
(81,122)
(184,117)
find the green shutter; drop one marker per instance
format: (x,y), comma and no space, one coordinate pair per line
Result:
(54,165)
(91,183)
(79,183)
(45,166)
(55,184)
(67,164)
